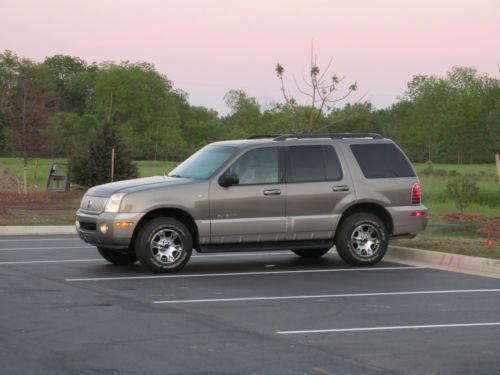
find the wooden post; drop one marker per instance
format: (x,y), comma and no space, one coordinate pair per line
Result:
(497,159)
(112,164)
(35,173)
(18,177)
(25,179)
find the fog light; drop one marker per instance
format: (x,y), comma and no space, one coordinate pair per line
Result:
(104,228)
(123,224)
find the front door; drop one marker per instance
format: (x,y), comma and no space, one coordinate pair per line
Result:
(254,209)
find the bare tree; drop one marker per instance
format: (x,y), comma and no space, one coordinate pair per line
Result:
(322,91)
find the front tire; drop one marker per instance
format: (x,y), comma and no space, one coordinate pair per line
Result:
(164,245)
(362,240)
(313,253)
(120,257)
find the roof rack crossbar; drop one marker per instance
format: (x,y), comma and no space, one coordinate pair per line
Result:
(329,135)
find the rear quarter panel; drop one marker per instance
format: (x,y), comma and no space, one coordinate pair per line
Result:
(394,194)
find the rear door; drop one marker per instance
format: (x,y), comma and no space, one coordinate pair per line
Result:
(254,209)
(318,187)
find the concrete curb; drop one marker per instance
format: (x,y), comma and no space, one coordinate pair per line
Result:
(28,230)
(445,261)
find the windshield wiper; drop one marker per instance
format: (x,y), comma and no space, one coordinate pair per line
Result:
(174,175)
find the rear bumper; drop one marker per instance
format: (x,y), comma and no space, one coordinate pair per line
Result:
(404,222)
(88,228)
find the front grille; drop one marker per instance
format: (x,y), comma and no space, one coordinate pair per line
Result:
(88,226)
(93,204)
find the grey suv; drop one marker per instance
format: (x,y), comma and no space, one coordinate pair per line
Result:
(305,193)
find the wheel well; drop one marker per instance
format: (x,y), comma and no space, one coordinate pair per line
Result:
(373,208)
(175,213)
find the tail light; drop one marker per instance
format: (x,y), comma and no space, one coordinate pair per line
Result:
(416,194)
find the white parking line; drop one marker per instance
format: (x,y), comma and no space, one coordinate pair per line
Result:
(52,261)
(42,239)
(330,296)
(244,273)
(388,328)
(95,260)
(47,248)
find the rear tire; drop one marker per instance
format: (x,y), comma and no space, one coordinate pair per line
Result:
(120,257)
(312,253)
(362,239)
(164,245)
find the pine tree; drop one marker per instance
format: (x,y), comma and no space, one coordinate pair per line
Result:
(92,166)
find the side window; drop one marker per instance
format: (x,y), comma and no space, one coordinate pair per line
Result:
(313,163)
(306,164)
(259,166)
(332,163)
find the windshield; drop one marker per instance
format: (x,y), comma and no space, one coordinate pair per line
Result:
(204,163)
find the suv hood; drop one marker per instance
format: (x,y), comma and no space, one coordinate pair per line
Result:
(129,186)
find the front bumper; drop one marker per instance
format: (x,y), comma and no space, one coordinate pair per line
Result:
(88,228)
(404,222)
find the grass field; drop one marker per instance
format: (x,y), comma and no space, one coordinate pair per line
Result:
(15,165)
(435,179)
(155,168)
(454,237)
(146,168)
(433,182)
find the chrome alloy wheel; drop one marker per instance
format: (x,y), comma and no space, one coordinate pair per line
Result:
(166,246)
(365,240)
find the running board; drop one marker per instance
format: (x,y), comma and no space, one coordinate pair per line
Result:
(267,246)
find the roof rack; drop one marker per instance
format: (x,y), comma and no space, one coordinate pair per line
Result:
(260,136)
(329,135)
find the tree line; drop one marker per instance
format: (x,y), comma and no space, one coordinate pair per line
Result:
(55,108)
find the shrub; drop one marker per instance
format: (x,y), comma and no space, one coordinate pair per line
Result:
(462,190)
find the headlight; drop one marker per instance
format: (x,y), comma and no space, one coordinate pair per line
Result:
(83,200)
(113,203)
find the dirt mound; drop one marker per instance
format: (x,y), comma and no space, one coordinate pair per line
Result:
(8,181)
(39,208)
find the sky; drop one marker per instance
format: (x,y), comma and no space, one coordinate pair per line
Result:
(208,47)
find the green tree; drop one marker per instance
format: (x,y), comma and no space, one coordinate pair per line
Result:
(28,99)
(201,126)
(9,71)
(68,132)
(143,102)
(427,96)
(355,118)
(244,111)
(448,117)
(63,70)
(93,167)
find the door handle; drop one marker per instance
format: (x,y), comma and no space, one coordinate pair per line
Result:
(272,192)
(340,188)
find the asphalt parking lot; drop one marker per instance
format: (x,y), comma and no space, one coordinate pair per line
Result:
(65,310)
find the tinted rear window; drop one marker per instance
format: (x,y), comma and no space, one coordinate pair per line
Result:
(382,160)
